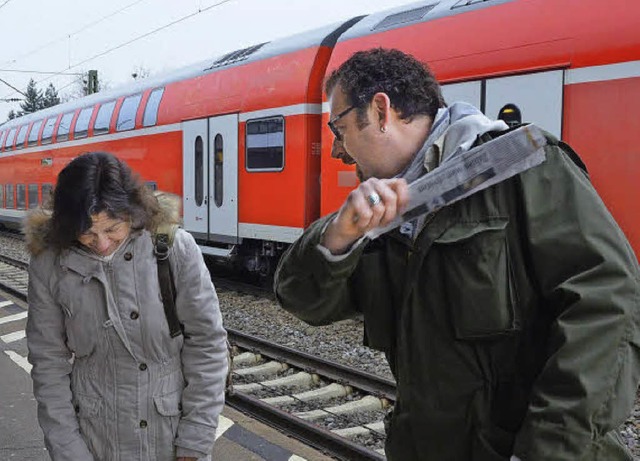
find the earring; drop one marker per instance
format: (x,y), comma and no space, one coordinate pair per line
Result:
(383,129)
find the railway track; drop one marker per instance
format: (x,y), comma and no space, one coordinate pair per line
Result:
(14,278)
(331,407)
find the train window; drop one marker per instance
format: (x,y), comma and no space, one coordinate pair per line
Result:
(9,196)
(33,134)
(152,185)
(81,129)
(47,192)
(151,110)
(22,135)
(47,132)
(127,115)
(8,143)
(1,196)
(33,195)
(103,119)
(21,197)
(218,159)
(265,144)
(199,171)
(64,127)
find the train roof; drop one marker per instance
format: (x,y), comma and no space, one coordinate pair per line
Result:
(414,13)
(326,35)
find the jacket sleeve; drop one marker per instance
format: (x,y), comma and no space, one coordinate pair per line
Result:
(204,352)
(310,286)
(589,281)
(50,358)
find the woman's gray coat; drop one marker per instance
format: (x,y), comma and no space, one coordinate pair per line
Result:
(110,382)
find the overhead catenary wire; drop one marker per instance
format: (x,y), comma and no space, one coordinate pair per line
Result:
(128,42)
(22,71)
(10,85)
(68,36)
(3,4)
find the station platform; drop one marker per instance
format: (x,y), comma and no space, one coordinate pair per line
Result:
(239,437)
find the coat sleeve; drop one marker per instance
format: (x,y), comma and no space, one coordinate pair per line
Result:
(589,282)
(51,371)
(204,352)
(310,286)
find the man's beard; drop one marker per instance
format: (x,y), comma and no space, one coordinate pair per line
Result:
(348,160)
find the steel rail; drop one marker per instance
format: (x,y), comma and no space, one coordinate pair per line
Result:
(367,382)
(7,288)
(309,433)
(14,262)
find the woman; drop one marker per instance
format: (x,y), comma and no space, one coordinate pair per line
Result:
(110,381)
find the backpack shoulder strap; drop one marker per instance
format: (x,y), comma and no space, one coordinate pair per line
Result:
(163,240)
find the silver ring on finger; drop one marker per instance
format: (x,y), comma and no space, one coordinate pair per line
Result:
(373,198)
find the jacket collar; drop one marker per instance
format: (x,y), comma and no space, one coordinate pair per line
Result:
(79,260)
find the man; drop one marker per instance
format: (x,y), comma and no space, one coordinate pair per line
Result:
(509,318)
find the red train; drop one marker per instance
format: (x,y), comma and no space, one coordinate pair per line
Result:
(242,138)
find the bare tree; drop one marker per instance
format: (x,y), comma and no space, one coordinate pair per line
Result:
(80,87)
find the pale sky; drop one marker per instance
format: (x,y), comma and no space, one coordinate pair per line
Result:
(66,35)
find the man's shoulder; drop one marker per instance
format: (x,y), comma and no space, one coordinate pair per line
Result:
(555,146)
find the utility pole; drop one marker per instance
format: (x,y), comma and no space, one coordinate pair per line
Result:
(92,81)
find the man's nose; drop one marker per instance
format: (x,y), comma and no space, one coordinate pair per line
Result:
(338,151)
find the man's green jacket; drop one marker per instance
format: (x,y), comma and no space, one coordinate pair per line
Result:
(511,323)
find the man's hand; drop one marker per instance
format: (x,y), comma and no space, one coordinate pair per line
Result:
(360,212)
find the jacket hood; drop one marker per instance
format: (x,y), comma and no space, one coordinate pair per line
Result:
(37,223)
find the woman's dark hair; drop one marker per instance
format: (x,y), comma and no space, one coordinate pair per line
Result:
(411,87)
(98,182)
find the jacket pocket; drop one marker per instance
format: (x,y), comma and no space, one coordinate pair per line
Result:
(169,408)
(373,297)
(169,404)
(90,419)
(478,281)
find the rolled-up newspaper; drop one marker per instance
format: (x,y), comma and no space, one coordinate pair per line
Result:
(470,172)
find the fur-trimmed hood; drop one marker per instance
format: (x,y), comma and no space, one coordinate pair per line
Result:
(37,223)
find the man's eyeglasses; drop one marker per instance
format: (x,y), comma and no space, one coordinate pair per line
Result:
(332,122)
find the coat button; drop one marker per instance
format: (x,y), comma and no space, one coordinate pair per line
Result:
(134,315)
(128,256)
(142,366)
(77,408)
(143,424)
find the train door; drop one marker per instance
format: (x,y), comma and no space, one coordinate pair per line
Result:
(195,168)
(535,98)
(223,179)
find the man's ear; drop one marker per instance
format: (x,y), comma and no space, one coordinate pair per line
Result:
(381,105)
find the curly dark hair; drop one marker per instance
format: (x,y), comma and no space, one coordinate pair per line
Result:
(95,182)
(411,87)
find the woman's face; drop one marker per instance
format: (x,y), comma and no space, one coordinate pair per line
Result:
(106,234)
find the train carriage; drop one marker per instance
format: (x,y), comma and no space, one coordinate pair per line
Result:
(243,138)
